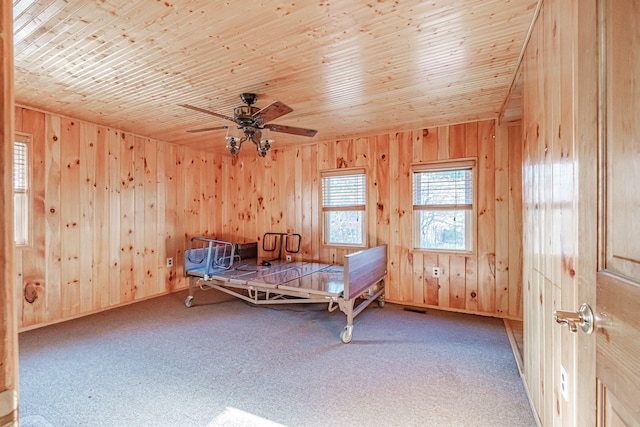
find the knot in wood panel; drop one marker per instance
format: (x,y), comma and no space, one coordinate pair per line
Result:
(31,292)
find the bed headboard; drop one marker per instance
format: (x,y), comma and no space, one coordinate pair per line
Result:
(363,269)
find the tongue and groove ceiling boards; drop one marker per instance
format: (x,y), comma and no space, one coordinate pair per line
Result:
(346,67)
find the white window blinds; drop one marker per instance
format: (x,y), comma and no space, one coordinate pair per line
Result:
(21,197)
(20,167)
(344,191)
(451,188)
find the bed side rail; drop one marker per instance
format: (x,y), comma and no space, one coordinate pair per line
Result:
(277,242)
(204,255)
(364,269)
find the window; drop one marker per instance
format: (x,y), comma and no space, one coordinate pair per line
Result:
(343,207)
(443,206)
(21,190)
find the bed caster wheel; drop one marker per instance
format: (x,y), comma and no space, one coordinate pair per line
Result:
(189,301)
(381,301)
(347,334)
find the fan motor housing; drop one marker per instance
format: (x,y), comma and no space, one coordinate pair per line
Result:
(245,114)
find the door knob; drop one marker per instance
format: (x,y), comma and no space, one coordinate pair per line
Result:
(583,318)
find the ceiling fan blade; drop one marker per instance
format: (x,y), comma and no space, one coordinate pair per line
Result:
(207,129)
(273,111)
(202,110)
(291,129)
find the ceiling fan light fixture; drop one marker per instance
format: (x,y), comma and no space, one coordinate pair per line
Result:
(234,140)
(233,133)
(266,137)
(264,144)
(251,124)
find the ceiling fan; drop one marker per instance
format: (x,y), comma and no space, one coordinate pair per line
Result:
(253,123)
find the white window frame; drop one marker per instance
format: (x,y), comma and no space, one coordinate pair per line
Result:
(22,193)
(327,210)
(469,209)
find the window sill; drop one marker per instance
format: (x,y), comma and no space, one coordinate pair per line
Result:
(442,252)
(344,246)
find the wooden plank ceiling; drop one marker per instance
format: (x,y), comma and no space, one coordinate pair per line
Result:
(345,67)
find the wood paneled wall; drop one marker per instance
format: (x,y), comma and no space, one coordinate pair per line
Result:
(559,165)
(281,193)
(110,207)
(486,282)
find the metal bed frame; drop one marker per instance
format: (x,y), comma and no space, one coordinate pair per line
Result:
(235,270)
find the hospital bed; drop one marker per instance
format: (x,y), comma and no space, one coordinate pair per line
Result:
(236,270)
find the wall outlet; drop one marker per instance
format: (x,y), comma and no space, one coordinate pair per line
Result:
(169,262)
(564,384)
(436,271)
(288,258)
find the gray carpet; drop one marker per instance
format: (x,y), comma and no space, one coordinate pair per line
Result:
(226,363)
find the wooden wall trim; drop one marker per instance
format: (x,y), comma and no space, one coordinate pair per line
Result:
(8,408)
(516,79)
(8,313)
